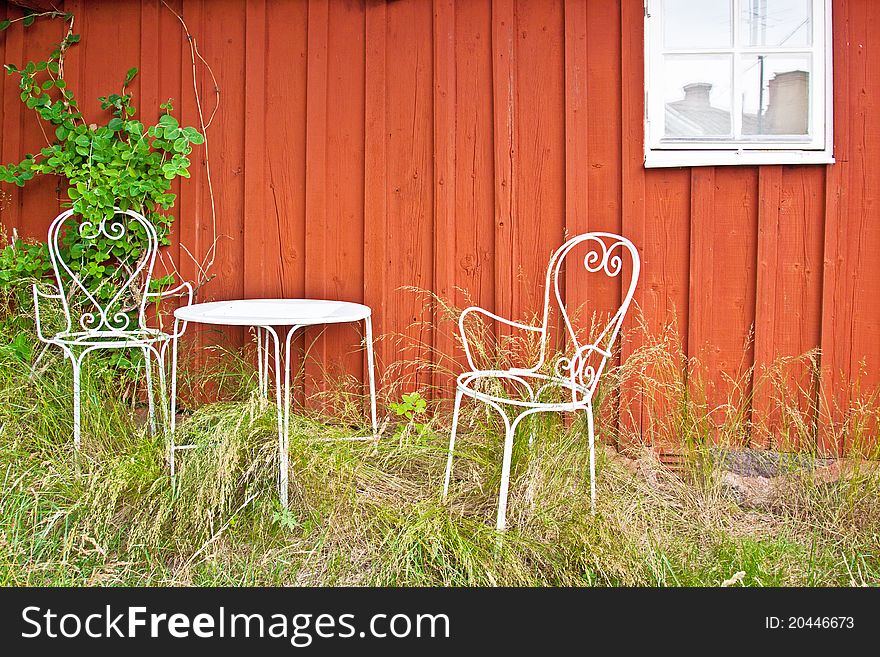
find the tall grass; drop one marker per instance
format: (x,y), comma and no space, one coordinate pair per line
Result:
(365,514)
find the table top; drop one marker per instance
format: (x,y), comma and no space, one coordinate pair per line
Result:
(273,312)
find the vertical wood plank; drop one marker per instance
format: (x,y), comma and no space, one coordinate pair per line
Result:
(764,420)
(445,138)
(836,302)
(722,307)
(376,261)
(12,120)
(504,110)
(863,235)
(287,37)
(850,329)
(658,385)
(147,98)
(633,185)
(260,238)
(161,79)
(539,221)
(410,188)
(223,24)
(40,201)
(188,201)
(474,149)
(799,304)
(577,103)
(343,233)
(285,111)
(316,185)
(605,188)
(701,283)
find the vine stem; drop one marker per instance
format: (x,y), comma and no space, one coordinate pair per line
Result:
(208,262)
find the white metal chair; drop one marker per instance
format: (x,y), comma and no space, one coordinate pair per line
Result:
(121,322)
(574,375)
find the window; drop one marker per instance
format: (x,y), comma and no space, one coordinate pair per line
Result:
(737,82)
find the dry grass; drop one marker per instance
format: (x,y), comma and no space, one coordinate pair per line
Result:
(366,515)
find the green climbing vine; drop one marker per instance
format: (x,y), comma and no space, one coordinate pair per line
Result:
(121,163)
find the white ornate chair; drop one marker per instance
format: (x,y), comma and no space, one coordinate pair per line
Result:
(517,393)
(121,322)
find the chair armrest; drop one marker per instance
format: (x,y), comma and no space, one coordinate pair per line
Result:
(174,292)
(37,296)
(184,288)
(477,309)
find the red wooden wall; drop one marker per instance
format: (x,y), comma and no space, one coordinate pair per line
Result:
(362,146)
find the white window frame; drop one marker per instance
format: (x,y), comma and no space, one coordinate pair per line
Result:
(666,153)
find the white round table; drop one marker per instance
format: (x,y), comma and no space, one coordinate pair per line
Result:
(268,315)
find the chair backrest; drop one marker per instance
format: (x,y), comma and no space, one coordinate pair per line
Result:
(111,296)
(592,254)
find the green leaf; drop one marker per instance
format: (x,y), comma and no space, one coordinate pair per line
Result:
(194,136)
(28,21)
(168,121)
(116,124)
(61,132)
(5,24)
(73,38)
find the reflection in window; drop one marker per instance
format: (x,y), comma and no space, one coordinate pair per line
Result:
(697,95)
(776,95)
(776,22)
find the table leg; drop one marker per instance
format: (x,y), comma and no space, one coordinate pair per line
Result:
(259,336)
(285,443)
(263,361)
(371,375)
(282,438)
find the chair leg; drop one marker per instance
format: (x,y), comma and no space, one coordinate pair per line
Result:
(77,418)
(371,369)
(172,413)
(172,420)
(458,396)
(163,393)
(505,478)
(151,405)
(591,433)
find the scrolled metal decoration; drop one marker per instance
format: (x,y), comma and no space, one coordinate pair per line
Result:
(93,315)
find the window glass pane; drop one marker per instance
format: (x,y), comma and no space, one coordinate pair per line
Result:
(776,22)
(776,94)
(697,96)
(702,24)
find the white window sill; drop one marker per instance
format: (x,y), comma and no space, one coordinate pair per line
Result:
(696,158)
